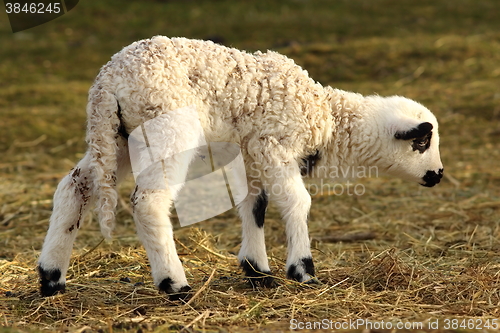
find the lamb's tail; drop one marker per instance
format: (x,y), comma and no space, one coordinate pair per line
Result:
(102,135)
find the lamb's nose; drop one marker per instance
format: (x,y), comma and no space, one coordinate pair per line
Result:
(432,177)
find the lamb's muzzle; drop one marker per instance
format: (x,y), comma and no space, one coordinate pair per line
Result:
(432,178)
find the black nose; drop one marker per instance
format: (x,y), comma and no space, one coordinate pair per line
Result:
(432,178)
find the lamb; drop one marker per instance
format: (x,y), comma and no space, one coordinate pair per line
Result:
(287,126)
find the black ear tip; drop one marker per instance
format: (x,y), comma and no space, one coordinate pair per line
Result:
(425,127)
(417,132)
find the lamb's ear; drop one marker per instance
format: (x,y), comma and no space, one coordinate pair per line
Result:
(416,132)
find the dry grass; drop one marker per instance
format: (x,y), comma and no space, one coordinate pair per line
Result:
(399,252)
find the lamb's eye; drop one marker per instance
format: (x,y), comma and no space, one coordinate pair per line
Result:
(421,142)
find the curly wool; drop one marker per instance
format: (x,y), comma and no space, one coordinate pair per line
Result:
(236,94)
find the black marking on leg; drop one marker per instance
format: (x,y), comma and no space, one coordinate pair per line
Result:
(82,189)
(259,209)
(308,163)
(76,173)
(166,287)
(49,285)
(307,266)
(121,128)
(134,199)
(256,276)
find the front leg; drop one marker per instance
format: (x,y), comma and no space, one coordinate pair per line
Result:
(287,190)
(252,255)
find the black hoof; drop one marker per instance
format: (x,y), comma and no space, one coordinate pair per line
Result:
(299,272)
(257,277)
(48,282)
(181,294)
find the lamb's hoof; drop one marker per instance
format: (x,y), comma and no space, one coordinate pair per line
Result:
(173,295)
(256,277)
(49,285)
(302,271)
(182,295)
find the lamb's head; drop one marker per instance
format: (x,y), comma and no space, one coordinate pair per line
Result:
(408,139)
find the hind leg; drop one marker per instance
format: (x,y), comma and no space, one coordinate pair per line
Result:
(172,151)
(151,202)
(151,214)
(72,200)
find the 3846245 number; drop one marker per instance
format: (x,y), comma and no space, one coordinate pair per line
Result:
(32,8)
(471,324)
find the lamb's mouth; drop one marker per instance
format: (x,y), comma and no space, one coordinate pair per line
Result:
(432,178)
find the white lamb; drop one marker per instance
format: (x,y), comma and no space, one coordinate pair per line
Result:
(285,123)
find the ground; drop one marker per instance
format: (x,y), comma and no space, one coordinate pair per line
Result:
(394,252)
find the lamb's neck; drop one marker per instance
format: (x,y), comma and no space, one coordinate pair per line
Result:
(353,143)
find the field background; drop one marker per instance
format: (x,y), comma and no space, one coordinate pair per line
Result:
(400,252)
